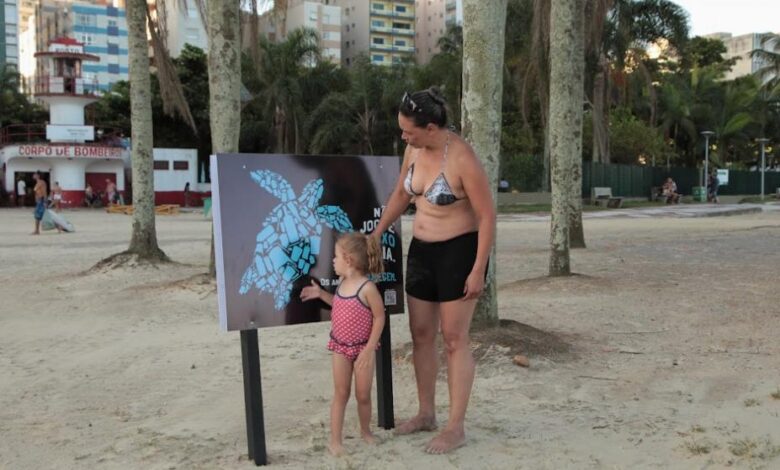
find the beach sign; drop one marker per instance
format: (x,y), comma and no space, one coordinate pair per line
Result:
(276,221)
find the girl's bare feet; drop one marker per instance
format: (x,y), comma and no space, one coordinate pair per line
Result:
(416,424)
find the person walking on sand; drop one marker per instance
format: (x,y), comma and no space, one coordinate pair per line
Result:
(21,191)
(40,201)
(454,228)
(357,319)
(56,195)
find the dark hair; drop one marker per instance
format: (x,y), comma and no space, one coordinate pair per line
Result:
(425,107)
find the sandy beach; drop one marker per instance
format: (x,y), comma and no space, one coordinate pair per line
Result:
(665,355)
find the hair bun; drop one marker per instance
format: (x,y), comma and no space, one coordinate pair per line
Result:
(436,95)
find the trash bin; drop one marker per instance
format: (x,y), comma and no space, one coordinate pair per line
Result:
(699,194)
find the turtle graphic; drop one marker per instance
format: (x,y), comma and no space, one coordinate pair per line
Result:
(289,240)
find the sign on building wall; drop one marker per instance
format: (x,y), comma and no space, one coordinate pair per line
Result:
(70,133)
(276,221)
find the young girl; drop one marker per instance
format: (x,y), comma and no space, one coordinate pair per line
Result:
(357,319)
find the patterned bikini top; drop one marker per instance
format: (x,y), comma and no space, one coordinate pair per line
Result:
(439,193)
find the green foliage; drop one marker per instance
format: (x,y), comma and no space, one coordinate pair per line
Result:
(16,108)
(633,141)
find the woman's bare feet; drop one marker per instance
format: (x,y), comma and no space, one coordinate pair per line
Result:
(446,441)
(416,424)
(369,438)
(336,449)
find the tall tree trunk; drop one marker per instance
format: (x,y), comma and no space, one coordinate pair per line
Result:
(483,60)
(599,115)
(567,67)
(143,241)
(224,81)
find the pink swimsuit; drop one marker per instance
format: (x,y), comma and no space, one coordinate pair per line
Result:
(351,323)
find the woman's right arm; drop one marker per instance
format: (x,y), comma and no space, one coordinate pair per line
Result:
(399,199)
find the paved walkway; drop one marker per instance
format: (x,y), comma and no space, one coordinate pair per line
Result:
(677,210)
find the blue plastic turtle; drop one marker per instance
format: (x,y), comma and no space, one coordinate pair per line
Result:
(289,241)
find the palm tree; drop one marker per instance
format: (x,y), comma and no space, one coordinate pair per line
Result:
(483,55)
(630,24)
(143,243)
(281,95)
(224,64)
(769,55)
(567,81)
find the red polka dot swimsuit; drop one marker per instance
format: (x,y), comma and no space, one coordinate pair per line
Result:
(351,323)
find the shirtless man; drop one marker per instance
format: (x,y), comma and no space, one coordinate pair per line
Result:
(40,201)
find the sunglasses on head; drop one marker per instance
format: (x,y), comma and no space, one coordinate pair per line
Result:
(407,101)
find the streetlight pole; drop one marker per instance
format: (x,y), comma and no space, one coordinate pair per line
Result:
(763,142)
(707,135)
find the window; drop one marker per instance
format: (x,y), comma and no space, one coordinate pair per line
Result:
(378,58)
(181,165)
(112,23)
(112,11)
(113,49)
(113,68)
(161,164)
(378,40)
(377,23)
(400,8)
(378,6)
(400,42)
(86,20)
(406,26)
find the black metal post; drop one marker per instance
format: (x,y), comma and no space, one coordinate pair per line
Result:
(253,397)
(384,380)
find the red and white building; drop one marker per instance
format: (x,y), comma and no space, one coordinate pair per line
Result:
(73,154)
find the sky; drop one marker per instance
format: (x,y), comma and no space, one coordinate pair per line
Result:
(732,16)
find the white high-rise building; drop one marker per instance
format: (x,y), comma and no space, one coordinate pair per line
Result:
(9,34)
(740,47)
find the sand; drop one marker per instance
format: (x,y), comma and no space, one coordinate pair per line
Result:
(668,357)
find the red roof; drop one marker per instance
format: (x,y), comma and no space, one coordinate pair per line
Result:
(67,41)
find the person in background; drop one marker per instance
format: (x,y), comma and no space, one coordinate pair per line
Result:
(21,191)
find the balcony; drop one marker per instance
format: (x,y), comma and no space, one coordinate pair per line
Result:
(67,86)
(381,47)
(403,48)
(381,29)
(403,32)
(408,15)
(36,133)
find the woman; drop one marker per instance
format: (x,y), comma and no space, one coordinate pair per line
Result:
(454,228)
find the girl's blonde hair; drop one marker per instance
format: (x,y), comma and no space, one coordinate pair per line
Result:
(364,252)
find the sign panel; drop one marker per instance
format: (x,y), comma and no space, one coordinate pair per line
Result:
(723,177)
(68,151)
(276,222)
(70,133)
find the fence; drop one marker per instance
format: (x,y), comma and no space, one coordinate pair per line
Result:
(636,181)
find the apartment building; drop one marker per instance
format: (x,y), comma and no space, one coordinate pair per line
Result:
(183,25)
(100,25)
(382,29)
(740,47)
(9,34)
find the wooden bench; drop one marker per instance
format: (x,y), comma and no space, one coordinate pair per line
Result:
(602,196)
(164,209)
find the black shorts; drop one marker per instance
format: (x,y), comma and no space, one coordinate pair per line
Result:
(437,271)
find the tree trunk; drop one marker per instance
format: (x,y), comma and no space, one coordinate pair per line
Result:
(224,81)
(143,241)
(567,64)
(483,59)
(600,121)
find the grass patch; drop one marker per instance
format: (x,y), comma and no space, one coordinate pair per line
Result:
(750,402)
(698,447)
(698,429)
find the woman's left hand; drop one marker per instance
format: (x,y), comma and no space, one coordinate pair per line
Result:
(475,283)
